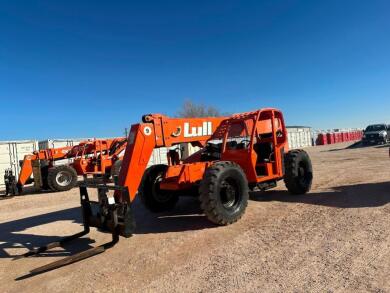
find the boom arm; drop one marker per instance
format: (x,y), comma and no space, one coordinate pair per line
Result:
(159,131)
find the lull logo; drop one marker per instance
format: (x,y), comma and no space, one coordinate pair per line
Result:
(205,129)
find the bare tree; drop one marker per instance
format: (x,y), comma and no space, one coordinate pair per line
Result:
(190,110)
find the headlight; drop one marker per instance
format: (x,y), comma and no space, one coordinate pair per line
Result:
(384,133)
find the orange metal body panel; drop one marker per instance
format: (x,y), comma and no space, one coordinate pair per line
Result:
(136,157)
(184,176)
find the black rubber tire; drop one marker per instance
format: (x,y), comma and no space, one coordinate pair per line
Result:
(44,174)
(224,193)
(19,188)
(52,178)
(152,197)
(298,174)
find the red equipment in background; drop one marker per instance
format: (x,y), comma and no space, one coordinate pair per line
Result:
(330,138)
(321,139)
(337,137)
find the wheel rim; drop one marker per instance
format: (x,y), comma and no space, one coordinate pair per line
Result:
(230,194)
(158,194)
(63,178)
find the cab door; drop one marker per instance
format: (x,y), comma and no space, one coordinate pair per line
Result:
(269,145)
(237,146)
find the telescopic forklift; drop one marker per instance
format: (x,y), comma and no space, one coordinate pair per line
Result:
(98,157)
(37,164)
(243,152)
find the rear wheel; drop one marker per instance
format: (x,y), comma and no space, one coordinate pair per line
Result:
(298,175)
(155,199)
(223,193)
(62,178)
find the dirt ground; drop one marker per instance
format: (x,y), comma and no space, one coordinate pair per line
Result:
(336,239)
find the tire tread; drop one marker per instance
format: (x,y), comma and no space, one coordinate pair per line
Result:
(209,199)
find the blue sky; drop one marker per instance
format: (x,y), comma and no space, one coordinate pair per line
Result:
(91,68)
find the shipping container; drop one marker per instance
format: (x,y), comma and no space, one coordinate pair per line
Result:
(299,137)
(11,152)
(59,143)
(187,150)
(159,156)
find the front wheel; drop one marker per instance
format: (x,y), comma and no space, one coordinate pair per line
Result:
(298,175)
(155,199)
(223,193)
(62,178)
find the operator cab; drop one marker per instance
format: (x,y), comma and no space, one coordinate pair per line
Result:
(256,141)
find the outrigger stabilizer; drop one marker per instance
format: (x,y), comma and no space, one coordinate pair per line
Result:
(106,214)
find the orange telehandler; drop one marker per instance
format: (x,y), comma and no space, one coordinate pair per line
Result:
(38,164)
(98,157)
(246,151)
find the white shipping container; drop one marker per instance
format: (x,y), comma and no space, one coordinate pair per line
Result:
(58,143)
(188,150)
(11,152)
(159,156)
(299,137)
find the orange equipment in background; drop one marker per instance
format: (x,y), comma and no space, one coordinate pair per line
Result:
(97,157)
(100,157)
